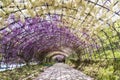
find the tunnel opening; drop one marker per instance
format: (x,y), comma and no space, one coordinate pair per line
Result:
(30,30)
(58,58)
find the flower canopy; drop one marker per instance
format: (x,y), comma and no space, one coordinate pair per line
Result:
(29,27)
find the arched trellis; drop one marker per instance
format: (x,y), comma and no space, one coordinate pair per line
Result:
(80,24)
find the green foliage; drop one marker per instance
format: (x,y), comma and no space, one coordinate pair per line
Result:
(100,66)
(0,56)
(25,72)
(48,64)
(102,70)
(72,60)
(108,54)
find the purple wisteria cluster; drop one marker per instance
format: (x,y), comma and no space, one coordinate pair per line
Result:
(34,36)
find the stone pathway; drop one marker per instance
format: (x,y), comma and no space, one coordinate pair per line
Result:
(60,71)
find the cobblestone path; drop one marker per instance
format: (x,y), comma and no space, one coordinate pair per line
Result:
(60,71)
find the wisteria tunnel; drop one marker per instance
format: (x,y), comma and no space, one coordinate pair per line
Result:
(37,34)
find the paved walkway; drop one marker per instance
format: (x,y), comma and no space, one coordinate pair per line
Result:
(60,71)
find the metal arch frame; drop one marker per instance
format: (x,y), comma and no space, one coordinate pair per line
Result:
(22,32)
(74,9)
(36,35)
(35,41)
(56,53)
